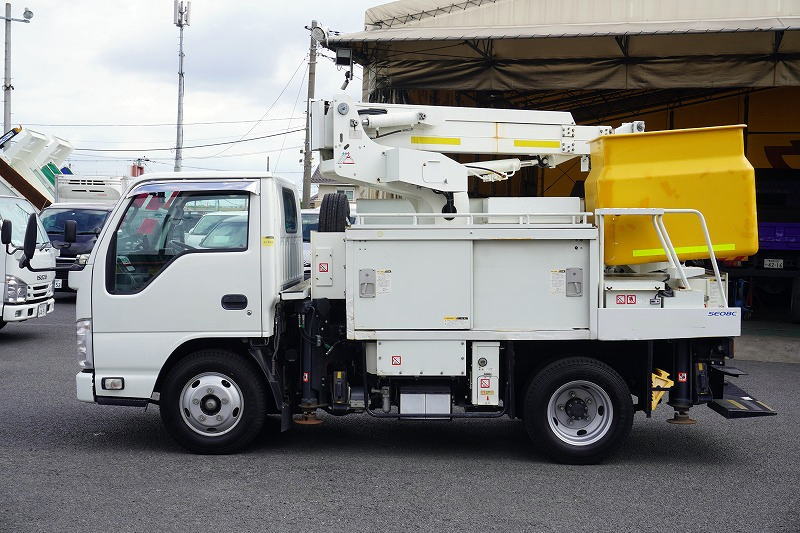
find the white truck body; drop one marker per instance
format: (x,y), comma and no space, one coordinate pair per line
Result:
(433,311)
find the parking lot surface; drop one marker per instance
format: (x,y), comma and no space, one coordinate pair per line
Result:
(70,466)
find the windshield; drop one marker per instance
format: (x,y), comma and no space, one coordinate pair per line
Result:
(88,220)
(310,223)
(17,211)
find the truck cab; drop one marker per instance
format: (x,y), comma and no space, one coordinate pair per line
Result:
(27,294)
(89,219)
(143,267)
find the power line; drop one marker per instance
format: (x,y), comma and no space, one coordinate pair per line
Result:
(271,105)
(155,124)
(128,158)
(188,147)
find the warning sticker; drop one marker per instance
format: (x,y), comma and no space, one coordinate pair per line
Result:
(323,267)
(682,377)
(631,299)
(267,241)
(346,159)
(485,383)
(397,360)
(620,299)
(456,322)
(558,281)
(383,281)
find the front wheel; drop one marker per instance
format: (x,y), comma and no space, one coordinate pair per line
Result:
(578,410)
(213,402)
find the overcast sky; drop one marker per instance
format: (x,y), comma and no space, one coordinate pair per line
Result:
(115,62)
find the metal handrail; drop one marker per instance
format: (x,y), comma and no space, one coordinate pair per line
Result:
(576,218)
(666,243)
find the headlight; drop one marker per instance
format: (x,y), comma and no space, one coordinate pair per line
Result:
(50,289)
(84,332)
(16,290)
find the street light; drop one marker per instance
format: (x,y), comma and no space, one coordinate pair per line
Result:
(27,15)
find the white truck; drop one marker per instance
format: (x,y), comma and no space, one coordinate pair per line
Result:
(446,307)
(27,294)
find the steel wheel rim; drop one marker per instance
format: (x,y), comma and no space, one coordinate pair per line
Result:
(580,413)
(211,404)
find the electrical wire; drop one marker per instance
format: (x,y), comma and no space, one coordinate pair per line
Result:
(297,99)
(189,147)
(156,124)
(302,62)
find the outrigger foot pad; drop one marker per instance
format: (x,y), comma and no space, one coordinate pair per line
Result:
(682,417)
(308,419)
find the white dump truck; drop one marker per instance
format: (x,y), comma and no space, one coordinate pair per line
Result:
(570,314)
(27,294)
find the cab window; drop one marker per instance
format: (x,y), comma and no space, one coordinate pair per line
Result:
(289,211)
(155,230)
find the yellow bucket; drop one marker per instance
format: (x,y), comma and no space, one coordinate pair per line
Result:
(702,168)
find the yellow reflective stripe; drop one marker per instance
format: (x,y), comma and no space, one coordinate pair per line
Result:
(684,250)
(765,406)
(435,140)
(532,143)
(737,404)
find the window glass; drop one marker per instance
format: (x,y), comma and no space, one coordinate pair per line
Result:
(88,220)
(350,193)
(17,211)
(289,211)
(310,223)
(156,228)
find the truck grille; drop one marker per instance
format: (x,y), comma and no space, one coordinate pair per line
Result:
(38,292)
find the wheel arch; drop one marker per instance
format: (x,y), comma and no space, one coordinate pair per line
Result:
(235,345)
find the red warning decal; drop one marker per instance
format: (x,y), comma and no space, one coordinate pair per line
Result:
(485,383)
(620,299)
(305,377)
(323,267)
(631,298)
(682,377)
(397,360)
(346,159)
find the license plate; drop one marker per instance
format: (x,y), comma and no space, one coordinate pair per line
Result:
(41,310)
(773,263)
(58,283)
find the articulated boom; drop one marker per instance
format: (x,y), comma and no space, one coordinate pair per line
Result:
(399,148)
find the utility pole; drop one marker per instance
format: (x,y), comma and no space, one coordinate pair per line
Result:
(312,70)
(181,19)
(7,87)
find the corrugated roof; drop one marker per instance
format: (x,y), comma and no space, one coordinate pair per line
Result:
(410,20)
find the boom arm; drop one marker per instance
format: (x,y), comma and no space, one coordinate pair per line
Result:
(400,148)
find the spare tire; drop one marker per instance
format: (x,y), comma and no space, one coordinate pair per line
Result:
(334,213)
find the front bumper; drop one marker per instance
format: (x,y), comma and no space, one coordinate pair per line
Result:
(84,384)
(20,312)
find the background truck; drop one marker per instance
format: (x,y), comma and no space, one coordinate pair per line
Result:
(447,307)
(26,294)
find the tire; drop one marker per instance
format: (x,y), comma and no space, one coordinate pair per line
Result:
(334,213)
(200,397)
(584,392)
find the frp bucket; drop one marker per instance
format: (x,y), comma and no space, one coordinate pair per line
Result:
(703,169)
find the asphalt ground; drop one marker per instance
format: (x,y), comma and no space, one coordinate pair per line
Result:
(70,466)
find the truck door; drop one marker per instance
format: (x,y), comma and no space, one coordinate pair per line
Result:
(151,291)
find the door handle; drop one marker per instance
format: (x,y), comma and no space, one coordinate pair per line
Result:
(234,302)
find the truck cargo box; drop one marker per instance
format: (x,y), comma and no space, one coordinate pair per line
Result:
(703,169)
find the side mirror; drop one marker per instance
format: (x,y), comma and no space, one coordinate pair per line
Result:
(5,233)
(70,231)
(29,246)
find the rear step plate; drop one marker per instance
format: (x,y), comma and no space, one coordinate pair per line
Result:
(736,403)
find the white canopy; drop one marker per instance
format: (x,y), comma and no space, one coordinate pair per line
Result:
(578,44)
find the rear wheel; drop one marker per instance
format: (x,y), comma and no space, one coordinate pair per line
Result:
(213,402)
(334,213)
(578,410)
